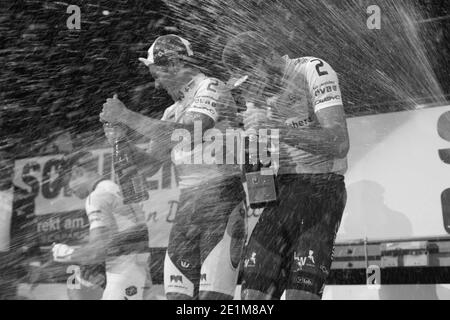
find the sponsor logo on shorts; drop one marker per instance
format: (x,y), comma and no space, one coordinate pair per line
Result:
(303,280)
(131,291)
(185,264)
(324,270)
(176,279)
(251,262)
(304,261)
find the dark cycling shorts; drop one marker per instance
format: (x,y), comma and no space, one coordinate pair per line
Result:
(291,246)
(206,239)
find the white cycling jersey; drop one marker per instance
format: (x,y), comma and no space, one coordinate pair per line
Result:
(126,275)
(309,85)
(210,97)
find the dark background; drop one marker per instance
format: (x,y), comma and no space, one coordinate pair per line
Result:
(55,80)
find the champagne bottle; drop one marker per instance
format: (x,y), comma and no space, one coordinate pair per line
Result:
(262,188)
(126,168)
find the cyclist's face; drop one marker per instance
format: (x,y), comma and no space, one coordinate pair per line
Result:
(160,74)
(166,77)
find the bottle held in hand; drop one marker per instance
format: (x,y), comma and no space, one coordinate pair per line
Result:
(261,183)
(126,168)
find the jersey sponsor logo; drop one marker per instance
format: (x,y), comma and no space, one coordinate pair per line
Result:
(327,83)
(131,291)
(298,123)
(203,277)
(176,279)
(206,103)
(301,61)
(210,110)
(202,101)
(327,89)
(328,99)
(205,99)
